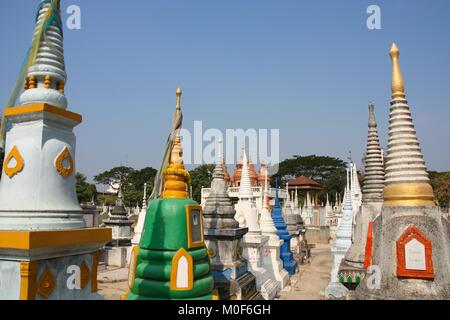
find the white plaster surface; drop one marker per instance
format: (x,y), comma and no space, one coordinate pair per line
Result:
(415,255)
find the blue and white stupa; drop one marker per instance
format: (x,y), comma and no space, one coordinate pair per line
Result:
(285,252)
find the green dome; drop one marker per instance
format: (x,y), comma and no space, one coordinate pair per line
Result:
(172,240)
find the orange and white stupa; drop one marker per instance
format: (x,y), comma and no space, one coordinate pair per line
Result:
(411,247)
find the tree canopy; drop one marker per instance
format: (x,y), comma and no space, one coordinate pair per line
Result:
(441,186)
(328,171)
(132,182)
(85,191)
(201,177)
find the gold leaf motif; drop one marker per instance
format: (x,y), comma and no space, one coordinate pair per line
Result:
(13,154)
(85,274)
(211,252)
(47,283)
(64,155)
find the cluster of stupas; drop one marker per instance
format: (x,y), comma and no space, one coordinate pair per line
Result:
(241,243)
(397,246)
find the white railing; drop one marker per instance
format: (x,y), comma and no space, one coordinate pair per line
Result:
(233,192)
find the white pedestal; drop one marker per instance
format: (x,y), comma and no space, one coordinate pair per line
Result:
(38,197)
(253,252)
(271,259)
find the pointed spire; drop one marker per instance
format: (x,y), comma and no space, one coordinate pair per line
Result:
(265,221)
(277,199)
(288,198)
(218,170)
(347,196)
(266,191)
(119,200)
(398,83)
(144,199)
(119,212)
(292,202)
(179,93)
(407,182)
(356,188)
(344,231)
(374,169)
(245,188)
(46,74)
(176,177)
(219,211)
(308,200)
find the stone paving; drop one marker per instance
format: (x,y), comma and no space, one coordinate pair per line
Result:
(308,284)
(112,282)
(311,280)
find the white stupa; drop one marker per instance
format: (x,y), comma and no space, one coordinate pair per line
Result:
(46,250)
(141,219)
(254,241)
(340,246)
(271,254)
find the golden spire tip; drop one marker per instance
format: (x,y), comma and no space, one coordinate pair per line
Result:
(179,93)
(394,50)
(398,83)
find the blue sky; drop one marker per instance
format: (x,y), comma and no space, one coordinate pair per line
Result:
(308,68)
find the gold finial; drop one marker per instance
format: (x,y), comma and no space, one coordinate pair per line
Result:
(176,156)
(176,177)
(61,85)
(398,83)
(47,82)
(179,94)
(31,82)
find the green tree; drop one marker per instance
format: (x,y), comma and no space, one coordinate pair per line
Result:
(132,182)
(85,191)
(441,186)
(328,171)
(201,177)
(106,199)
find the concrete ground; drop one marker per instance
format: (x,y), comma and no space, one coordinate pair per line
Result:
(113,282)
(312,279)
(308,284)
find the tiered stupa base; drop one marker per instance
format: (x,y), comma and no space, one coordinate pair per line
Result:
(154,283)
(50,265)
(232,279)
(243,288)
(289,263)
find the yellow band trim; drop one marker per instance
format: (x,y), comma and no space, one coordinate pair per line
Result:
(95,258)
(189,209)
(28,285)
(42,107)
(26,240)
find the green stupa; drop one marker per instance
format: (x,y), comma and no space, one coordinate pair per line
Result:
(171,262)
